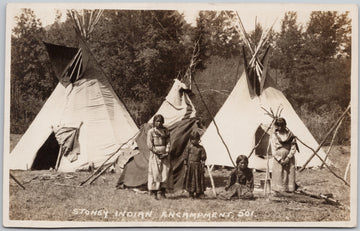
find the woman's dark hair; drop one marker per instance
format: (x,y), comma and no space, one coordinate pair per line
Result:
(280,122)
(158,117)
(195,135)
(242,158)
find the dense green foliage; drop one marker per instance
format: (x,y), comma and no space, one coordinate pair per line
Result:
(142,51)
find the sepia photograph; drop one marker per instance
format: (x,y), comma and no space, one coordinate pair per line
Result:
(180,114)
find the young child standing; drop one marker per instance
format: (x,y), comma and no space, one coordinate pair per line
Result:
(194,162)
(241,181)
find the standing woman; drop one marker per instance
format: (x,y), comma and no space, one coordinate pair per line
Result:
(158,141)
(284,147)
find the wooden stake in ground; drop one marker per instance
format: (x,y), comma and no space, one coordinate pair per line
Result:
(18,182)
(59,157)
(211,178)
(267,175)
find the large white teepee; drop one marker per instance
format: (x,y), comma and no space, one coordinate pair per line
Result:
(87,104)
(242,121)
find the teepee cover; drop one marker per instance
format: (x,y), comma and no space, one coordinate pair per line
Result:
(242,115)
(179,114)
(90,100)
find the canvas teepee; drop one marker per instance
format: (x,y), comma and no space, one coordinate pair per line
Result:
(83,121)
(180,118)
(177,105)
(242,119)
(179,114)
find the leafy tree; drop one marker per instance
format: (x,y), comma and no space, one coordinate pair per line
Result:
(315,66)
(325,54)
(31,81)
(288,44)
(141,52)
(217,36)
(61,33)
(328,33)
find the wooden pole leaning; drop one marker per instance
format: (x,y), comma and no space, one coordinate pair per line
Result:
(98,175)
(347,169)
(323,141)
(18,182)
(261,138)
(215,124)
(98,170)
(315,152)
(332,142)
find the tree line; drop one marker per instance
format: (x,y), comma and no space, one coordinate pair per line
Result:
(142,51)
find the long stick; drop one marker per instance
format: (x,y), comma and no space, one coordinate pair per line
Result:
(267,171)
(315,153)
(325,138)
(111,155)
(332,141)
(97,176)
(211,179)
(347,169)
(265,132)
(58,158)
(213,120)
(22,186)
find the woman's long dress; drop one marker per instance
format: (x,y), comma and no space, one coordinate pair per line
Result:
(283,176)
(158,141)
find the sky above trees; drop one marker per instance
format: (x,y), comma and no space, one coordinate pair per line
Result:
(264,14)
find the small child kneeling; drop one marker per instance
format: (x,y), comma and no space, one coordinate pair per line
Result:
(241,181)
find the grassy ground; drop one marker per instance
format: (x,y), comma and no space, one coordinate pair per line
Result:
(57,197)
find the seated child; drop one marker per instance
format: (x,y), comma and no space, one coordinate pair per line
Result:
(194,161)
(241,181)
